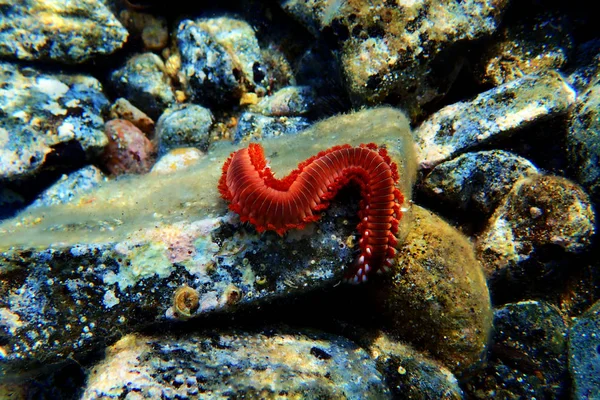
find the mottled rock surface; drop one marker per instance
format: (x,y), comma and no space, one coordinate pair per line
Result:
(583,140)
(438,299)
(476,181)
(398,50)
(268,364)
(70,186)
(529,47)
(220,59)
(288,101)
(541,213)
(185,125)
(42,112)
(129,151)
(78,275)
(528,354)
(253,125)
(584,357)
(123,109)
(492,115)
(66,31)
(177,159)
(143,80)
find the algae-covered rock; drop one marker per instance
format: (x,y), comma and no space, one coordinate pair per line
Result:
(540,214)
(185,125)
(68,31)
(403,51)
(77,275)
(44,112)
(270,364)
(498,113)
(438,299)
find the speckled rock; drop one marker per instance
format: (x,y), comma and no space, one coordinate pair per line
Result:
(129,151)
(586,65)
(438,299)
(392,51)
(527,48)
(583,141)
(123,109)
(584,358)
(492,115)
(185,125)
(410,374)
(77,275)
(541,212)
(70,186)
(236,364)
(289,101)
(42,112)
(220,59)
(528,354)
(67,31)
(253,125)
(476,181)
(177,159)
(143,81)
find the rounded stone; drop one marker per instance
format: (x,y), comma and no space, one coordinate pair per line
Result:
(186,125)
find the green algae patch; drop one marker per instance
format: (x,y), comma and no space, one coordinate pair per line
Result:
(118,209)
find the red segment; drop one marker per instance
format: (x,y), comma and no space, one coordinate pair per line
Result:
(282,204)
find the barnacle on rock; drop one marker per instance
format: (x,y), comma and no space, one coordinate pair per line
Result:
(232,295)
(185,301)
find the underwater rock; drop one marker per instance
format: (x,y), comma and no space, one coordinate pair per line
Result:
(220,59)
(71,185)
(78,275)
(403,50)
(409,374)
(541,213)
(150,29)
(128,151)
(527,48)
(66,31)
(143,81)
(253,125)
(265,364)
(476,181)
(185,125)
(437,299)
(123,109)
(528,357)
(586,65)
(583,141)
(288,101)
(177,159)
(584,359)
(42,113)
(498,113)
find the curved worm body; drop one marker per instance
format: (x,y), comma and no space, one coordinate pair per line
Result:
(292,202)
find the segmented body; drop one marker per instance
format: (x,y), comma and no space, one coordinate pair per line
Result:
(292,202)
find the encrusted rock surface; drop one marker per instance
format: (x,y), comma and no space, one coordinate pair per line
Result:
(143,80)
(185,125)
(492,115)
(542,212)
(66,31)
(438,299)
(42,112)
(528,354)
(116,256)
(584,358)
(269,364)
(583,140)
(398,50)
(476,181)
(220,59)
